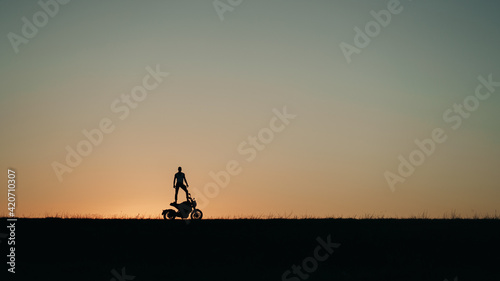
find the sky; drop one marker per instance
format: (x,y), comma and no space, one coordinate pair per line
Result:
(272,108)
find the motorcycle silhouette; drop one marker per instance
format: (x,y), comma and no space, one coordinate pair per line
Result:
(184,209)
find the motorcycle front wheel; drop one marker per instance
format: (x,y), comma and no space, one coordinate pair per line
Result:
(196,214)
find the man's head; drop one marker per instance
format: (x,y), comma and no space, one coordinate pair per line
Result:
(180,169)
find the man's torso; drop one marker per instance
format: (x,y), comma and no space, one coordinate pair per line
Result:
(180,177)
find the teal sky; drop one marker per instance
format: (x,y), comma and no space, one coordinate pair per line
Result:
(225,78)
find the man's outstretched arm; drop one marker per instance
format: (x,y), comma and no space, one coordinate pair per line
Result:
(174,181)
(186,181)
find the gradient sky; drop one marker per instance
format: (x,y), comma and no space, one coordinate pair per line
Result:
(352,120)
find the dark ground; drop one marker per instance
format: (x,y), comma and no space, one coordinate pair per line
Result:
(376,249)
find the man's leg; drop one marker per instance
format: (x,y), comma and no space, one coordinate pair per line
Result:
(176,191)
(185,190)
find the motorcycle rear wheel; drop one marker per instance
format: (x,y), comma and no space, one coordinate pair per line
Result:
(169,214)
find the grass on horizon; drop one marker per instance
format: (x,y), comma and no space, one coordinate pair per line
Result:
(452,215)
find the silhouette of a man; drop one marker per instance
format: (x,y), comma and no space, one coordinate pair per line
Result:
(179,180)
